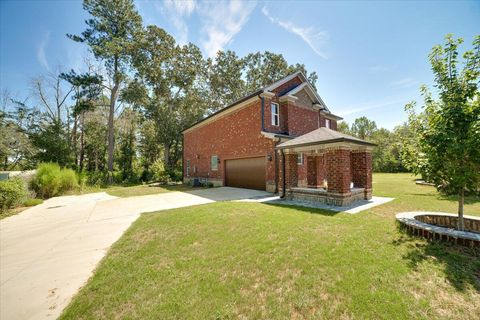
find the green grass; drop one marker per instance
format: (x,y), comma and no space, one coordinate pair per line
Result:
(28,203)
(132,191)
(235,260)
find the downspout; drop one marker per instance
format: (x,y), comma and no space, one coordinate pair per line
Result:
(275,158)
(283,175)
(263,113)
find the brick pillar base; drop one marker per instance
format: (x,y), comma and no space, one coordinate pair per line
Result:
(362,171)
(338,171)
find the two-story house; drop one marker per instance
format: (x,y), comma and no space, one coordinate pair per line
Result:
(281,138)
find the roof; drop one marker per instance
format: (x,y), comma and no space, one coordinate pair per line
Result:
(266,89)
(322,136)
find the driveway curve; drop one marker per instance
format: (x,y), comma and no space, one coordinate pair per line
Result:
(49,251)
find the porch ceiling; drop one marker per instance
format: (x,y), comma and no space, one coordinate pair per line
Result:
(322,138)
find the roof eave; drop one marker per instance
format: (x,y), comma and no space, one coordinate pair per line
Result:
(306,144)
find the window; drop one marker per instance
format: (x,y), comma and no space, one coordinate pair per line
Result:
(275,114)
(300,159)
(327,124)
(188,168)
(214,163)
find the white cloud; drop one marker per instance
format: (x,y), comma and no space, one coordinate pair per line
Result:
(178,11)
(405,83)
(356,109)
(312,37)
(222,21)
(379,68)
(41,56)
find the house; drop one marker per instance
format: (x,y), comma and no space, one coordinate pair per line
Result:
(281,138)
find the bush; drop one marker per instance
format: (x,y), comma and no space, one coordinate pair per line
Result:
(32,202)
(13,192)
(51,181)
(159,172)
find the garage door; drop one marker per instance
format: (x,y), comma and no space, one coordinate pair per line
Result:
(246,173)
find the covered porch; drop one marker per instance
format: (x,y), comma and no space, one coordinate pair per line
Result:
(338,168)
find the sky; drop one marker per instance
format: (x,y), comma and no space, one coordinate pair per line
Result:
(370,57)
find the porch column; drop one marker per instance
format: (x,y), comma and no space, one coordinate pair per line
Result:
(362,171)
(338,171)
(291,173)
(312,171)
(321,169)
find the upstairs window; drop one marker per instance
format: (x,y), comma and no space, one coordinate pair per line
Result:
(328,124)
(300,159)
(214,163)
(275,114)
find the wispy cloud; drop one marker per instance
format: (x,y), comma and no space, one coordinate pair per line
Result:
(41,56)
(379,68)
(405,83)
(222,21)
(366,107)
(178,11)
(310,35)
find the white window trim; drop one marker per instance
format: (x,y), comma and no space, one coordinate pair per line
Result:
(214,168)
(275,115)
(328,123)
(188,168)
(300,159)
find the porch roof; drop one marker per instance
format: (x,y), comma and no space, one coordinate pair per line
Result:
(322,136)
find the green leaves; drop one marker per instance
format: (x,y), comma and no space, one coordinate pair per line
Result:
(447,151)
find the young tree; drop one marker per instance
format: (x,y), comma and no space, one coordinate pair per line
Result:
(363,128)
(448,151)
(110,35)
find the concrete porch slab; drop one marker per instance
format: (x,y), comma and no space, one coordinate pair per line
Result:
(355,207)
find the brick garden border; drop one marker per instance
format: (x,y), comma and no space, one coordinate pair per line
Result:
(415,225)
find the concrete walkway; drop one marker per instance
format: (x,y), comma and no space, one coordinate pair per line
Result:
(49,251)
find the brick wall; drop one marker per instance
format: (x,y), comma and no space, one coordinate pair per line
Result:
(291,178)
(236,135)
(338,170)
(362,169)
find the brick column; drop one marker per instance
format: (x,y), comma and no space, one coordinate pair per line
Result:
(321,169)
(362,171)
(291,175)
(338,171)
(312,171)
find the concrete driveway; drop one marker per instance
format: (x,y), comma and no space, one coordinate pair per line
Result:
(49,251)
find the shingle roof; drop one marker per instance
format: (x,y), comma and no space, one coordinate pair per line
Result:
(322,136)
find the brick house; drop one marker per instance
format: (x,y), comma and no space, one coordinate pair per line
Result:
(281,138)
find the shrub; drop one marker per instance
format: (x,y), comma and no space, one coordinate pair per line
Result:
(32,202)
(51,181)
(12,193)
(159,172)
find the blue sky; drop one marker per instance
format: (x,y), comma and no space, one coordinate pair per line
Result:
(371,57)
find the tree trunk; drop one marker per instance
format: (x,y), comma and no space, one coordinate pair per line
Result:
(82,142)
(111,115)
(166,156)
(461,223)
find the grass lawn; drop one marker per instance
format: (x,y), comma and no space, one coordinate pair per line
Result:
(138,190)
(258,261)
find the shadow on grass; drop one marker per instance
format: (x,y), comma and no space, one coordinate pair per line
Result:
(461,264)
(303,209)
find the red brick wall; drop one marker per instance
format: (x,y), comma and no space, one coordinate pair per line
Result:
(312,171)
(338,171)
(362,169)
(236,135)
(291,170)
(321,169)
(301,120)
(333,123)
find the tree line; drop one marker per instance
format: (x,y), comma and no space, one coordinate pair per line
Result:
(120,119)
